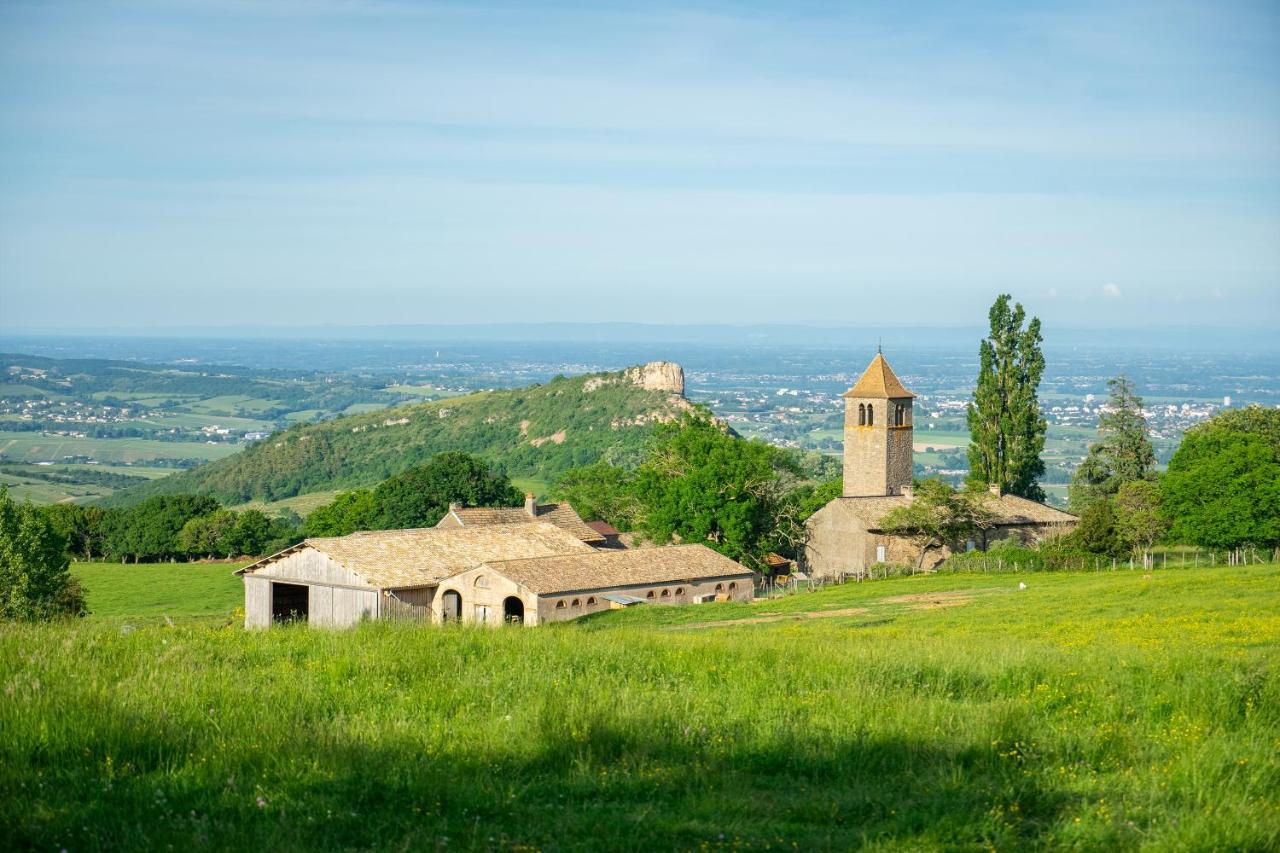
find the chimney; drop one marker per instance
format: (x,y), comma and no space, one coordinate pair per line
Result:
(994,488)
(530,505)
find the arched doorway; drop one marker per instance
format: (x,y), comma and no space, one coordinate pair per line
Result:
(513,611)
(451,606)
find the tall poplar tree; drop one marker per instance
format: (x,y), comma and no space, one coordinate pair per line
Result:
(1005,424)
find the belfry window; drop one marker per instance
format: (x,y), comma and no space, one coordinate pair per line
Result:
(862,414)
(871,415)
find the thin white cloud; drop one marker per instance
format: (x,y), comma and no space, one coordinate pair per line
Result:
(1111,290)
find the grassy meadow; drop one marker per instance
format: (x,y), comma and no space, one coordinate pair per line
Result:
(1118,710)
(151,591)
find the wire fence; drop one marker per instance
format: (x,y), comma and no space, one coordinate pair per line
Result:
(988,562)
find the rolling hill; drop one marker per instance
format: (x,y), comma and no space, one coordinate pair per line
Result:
(539,432)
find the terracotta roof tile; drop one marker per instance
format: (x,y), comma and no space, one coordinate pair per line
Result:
(878,381)
(605,569)
(560,514)
(390,559)
(1006,509)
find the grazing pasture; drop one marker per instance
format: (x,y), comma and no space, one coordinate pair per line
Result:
(1113,710)
(147,592)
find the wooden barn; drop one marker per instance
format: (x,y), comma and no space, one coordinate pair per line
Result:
(343,580)
(495,573)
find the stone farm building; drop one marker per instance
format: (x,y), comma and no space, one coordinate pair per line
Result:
(529,572)
(845,538)
(560,514)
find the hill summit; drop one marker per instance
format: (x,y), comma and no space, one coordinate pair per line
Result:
(538,431)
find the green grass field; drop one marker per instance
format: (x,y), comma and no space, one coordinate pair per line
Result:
(1119,710)
(148,592)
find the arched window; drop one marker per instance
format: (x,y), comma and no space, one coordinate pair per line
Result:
(862,414)
(733,585)
(719,587)
(679,590)
(897,415)
(591,601)
(666,593)
(482,582)
(577,602)
(650,595)
(560,605)
(871,415)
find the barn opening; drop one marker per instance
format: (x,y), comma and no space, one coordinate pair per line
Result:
(513,610)
(451,606)
(289,602)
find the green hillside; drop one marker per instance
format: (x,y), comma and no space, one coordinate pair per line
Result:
(535,432)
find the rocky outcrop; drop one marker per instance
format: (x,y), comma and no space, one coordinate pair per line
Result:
(658,376)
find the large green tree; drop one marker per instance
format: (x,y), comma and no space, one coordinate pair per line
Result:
(601,491)
(1006,426)
(149,530)
(1222,489)
(35,580)
(1123,453)
(346,513)
(421,496)
(700,483)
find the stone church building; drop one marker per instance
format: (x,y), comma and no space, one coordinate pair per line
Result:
(845,538)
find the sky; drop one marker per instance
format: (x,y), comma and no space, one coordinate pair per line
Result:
(287,162)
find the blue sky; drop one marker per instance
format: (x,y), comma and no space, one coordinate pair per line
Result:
(395,162)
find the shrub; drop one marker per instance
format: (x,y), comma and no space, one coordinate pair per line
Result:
(35,581)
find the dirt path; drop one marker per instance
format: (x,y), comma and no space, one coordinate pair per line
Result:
(915,601)
(775,617)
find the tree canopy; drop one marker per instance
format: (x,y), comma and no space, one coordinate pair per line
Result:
(1222,489)
(35,577)
(1005,423)
(419,497)
(1123,453)
(938,515)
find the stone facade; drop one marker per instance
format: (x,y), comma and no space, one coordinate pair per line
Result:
(482,596)
(877,449)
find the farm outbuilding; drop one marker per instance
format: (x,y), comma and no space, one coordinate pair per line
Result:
(347,579)
(555,589)
(489,574)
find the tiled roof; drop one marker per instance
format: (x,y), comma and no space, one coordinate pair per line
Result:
(878,381)
(604,528)
(561,515)
(389,559)
(609,569)
(1006,510)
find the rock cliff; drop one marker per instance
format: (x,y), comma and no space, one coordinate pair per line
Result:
(658,376)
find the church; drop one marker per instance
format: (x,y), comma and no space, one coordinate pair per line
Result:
(845,537)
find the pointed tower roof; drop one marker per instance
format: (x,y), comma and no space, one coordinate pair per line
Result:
(878,381)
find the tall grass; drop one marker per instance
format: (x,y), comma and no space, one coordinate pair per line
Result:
(1083,712)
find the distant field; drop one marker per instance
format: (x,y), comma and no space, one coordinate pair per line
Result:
(1108,711)
(301,504)
(150,591)
(35,447)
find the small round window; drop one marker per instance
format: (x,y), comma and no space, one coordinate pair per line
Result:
(666,593)
(559,605)
(577,602)
(650,595)
(591,601)
(679,590)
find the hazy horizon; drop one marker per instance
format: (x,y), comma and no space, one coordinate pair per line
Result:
(365,163)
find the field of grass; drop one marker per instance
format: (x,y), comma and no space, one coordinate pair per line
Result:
(148,592)
(1088,711)
(301,504)
(37,447)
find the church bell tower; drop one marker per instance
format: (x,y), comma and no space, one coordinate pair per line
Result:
(877,434)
